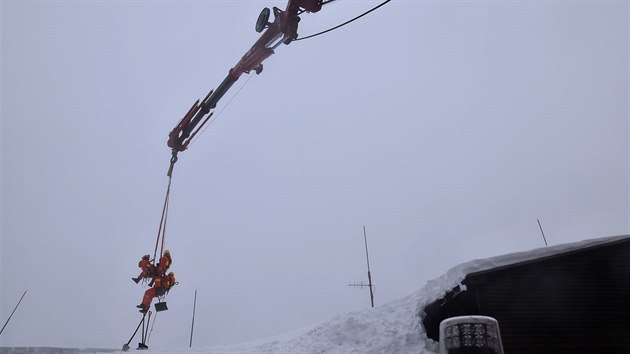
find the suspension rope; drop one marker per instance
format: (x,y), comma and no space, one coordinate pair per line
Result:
(214,117)
(162,229)
(343,24)
(153,324)
(165,219)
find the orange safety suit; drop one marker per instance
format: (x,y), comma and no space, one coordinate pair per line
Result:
(155,291)
(160,287)
(147,268)
(165,263)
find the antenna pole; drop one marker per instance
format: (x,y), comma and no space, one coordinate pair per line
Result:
(192,327)
(542,232)
(367,257)
(16,306)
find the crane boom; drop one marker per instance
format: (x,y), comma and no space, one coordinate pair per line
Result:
(282,30)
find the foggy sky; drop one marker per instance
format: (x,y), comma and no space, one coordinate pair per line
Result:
(445,127)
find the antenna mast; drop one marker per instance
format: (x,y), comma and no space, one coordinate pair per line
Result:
(369,284)
(192,327)
(542,232)
(16,306)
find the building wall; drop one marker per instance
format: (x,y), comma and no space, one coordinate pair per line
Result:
(578,302)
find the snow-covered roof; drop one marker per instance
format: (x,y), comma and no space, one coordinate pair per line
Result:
(456,274)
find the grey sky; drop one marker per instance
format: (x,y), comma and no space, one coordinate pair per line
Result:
(445,127)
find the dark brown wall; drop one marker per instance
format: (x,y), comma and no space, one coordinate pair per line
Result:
(577,302)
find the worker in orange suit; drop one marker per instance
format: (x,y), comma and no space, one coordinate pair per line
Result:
(146,267)
(165,263)
(160,287)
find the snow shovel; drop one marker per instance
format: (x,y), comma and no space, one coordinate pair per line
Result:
(160,306)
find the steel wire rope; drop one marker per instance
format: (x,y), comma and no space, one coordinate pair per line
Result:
(152,324)
(343,24)
(214,117)
(162,229)
(165,218)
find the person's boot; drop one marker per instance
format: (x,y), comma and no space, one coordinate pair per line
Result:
(141,306)
(136,280)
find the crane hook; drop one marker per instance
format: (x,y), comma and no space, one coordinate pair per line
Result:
(173,160)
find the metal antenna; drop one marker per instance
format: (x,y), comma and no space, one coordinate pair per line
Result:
(192,327)
(369,284)
(543,233)
(16,306)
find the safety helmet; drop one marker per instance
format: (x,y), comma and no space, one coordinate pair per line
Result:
(146,256)
(167,252)
(171,274)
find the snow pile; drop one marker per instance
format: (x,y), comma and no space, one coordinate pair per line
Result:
(392,328)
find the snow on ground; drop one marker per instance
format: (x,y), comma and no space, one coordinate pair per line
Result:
(391,328)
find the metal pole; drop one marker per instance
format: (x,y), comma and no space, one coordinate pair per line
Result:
(543,233)
(192,327)
(144,331)
(16,306)
(367,256)
(126,345)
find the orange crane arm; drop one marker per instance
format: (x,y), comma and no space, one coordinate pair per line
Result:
(282,30)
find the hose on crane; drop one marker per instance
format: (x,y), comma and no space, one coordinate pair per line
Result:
(345,23)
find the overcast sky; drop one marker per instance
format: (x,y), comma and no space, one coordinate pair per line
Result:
(445,127)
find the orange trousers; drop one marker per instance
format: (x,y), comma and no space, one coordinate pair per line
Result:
(149,295)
